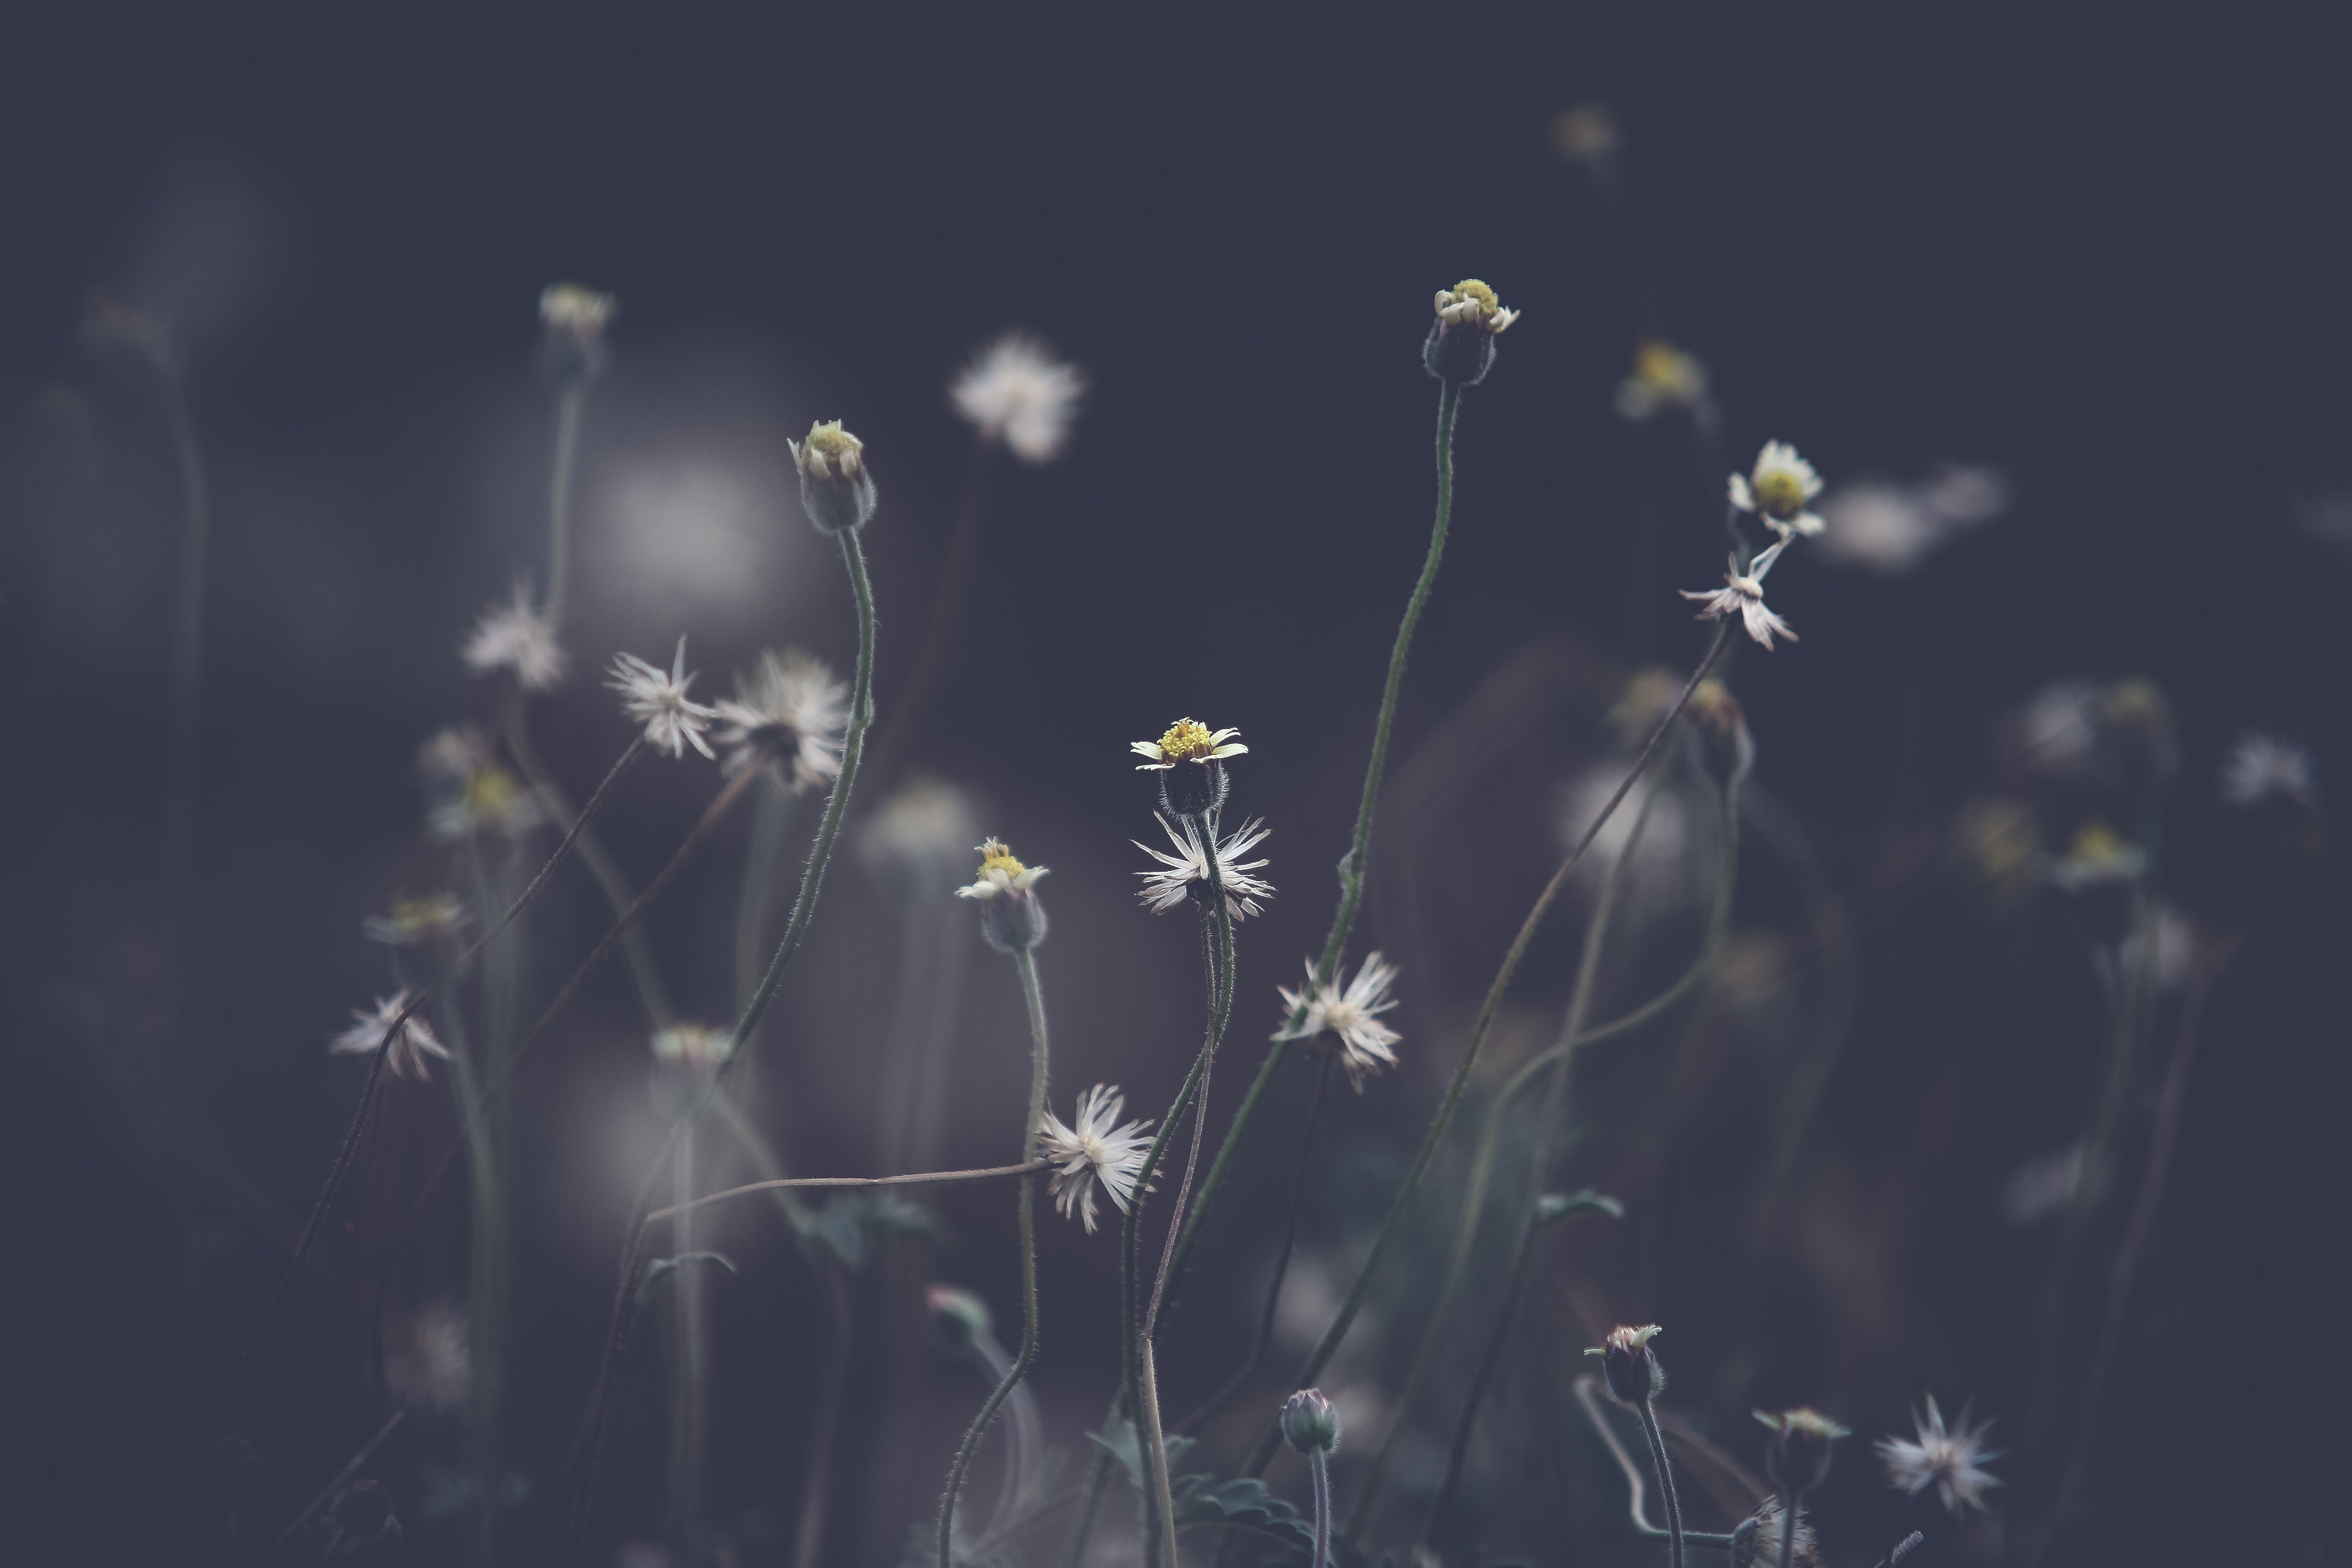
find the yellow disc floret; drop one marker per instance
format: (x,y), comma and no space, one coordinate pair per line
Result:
(995,857)
(1187,741)
(1779,492)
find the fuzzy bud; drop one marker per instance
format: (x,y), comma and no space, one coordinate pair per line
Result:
(837,490)
(1460,349)
(1310,1424)
(1630,1365)
(1014,922)
(959,1320)
(1797,1456)
(571,322)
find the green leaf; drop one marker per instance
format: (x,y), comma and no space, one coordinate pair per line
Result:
(851,1223)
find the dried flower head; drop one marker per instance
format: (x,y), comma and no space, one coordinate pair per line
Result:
(1097,1151)
(1460,349)
(1743,595)
(1951,1460)
(1350,1014)
(788,715)
(1630,1365)
(659,702)
(837,490)
(1016,392)
(427,1358)
(1185,874)
(1797,1456)
(2263,767)
(514,636)
(434,917)
(1777,490)
(696,1045)
(1756,1543)
(411,1047)
(1664,378)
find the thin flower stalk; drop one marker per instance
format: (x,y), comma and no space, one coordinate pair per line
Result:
(1024,959)
(1354,1300)
(570,408)
(1351,867)
(1588,1397)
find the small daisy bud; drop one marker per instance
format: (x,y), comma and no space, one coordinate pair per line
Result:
(1310,1424)
(1011,917)
(1460,349)
(571,322)
(1718,731)
(959,1320)
(837,490)
(1629,1364)
(1197,790)
(1797,1456)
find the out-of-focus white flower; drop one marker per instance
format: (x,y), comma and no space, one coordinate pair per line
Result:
(1187,741)
(789,715)
(2098,858)
(515,636)
(487,800)
(1000,873)
(576,309)
(2327,517)
(697,1046)
(1016,392)
(1891,528)
(1744,596)
(410,1047)
(1586,133)
(1171,884)
(2056,732)
(429,1362)
(431,917)
(2260,767)
(1351,1013)
(1951,1460)
(1665,839)
(1777,490)
(1096,1150)
(2042,1185)
(452,756)
(922,827)
(1663,377)
(659,701)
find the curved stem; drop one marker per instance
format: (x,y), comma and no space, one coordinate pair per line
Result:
(1665,1484)
(1026,960)
(1346,1316)
(1351,869)
(1588,1395)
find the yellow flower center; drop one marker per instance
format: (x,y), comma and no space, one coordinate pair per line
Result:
(833,441)
(1779,492)
(1663,366)
(995,857)
(491,792)
(1472,289)
(2097,842)
(1187,741)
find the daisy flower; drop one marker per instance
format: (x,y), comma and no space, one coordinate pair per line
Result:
(1187,741)
(1951,1459)
(1351,1013)
(2261,766)
(1171,883)
(487,800)
(659,702)
(1011,918)
(1019,394)
(515,636)
(787,715)
(410,1047)
(1778,488)
(1000,873)
(1663,377)
(1745,596)
(1095,1149)
(1471,303)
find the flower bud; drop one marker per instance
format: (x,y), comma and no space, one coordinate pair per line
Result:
(571,322)
(837,490)
(1011,917)
(1719,740)
(1797,1456)
(959,1320)
(1309,1422)
(1630,1365)
(1460,348)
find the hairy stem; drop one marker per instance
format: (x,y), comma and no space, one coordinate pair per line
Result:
(1665,1484)
(1391,1222)
(1026,960)
(1588,1396)
(1318,1467)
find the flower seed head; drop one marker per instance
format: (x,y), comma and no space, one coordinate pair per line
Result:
(1350,1014)
(1310,1423)
(1460,349)
(1630,1365)
(1951,1460)
(837,490)
(1797,1456)
(1756,1543)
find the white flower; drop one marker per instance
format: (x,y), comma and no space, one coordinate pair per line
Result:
(789,715)
(1745,596)
(451,756)
(2056,732)
(515,636)
(2261,766)
(1094,1151)
(428,1363)
(1000,873)
(576,309)
(1366,1045)
(1890,528)
(920,827)
(1172,884)
(693,1044)
(1187,741)
(410,1047)
(1776,490)
(1951,1460)
(1663,377)
(659,702)
(487,799)
(1017,393)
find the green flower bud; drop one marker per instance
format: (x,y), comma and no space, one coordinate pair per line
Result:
(837,490)
(1630,1365)
(1309,1422)
(1797,1456)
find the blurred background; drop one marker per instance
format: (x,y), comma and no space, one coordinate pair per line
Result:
(2096,252)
